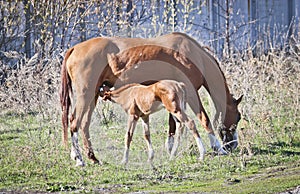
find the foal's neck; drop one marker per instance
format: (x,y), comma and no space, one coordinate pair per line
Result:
(121,94)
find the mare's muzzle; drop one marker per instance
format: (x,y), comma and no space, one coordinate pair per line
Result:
(230,140)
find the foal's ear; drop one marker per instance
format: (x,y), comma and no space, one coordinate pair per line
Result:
(239,99)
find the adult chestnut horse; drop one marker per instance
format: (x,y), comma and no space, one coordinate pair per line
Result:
(174,56)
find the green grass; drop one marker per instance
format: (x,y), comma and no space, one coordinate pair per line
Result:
(32,159)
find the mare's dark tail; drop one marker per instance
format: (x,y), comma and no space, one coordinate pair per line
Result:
(65,100)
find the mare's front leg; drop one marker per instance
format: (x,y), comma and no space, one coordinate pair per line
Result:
(201,114)
(131,124)
(147,138)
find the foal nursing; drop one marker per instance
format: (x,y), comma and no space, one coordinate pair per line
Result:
(140,101)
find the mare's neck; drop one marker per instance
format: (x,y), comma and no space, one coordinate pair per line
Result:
(223,102)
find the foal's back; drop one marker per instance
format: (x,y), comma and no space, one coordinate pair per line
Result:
(144,100)
(168,92)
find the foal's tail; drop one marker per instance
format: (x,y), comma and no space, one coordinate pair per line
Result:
(183,97)
(65,100)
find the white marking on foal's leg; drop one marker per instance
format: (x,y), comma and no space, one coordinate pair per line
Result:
(215,144)
(75,151)
(150,153)
(125,156)
(201,148)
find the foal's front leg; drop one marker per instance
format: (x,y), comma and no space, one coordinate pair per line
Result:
(147,138)
(132,120)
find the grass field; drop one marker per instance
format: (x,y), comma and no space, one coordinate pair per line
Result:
(33,160)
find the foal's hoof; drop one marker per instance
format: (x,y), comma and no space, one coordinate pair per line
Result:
(94,160)
(172,157)
(124,162)
(201,158)
(97,162)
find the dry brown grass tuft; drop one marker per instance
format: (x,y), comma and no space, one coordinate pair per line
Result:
(271,85)
(31,85)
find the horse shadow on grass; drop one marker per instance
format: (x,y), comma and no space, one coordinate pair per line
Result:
(282,148)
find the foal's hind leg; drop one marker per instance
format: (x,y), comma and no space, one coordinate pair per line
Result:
(190,124)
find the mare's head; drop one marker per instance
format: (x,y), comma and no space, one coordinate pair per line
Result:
(228,130)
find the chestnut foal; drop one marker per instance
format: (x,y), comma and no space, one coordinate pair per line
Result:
(140,101)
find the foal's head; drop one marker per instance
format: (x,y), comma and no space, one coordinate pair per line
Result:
(228,130)
(105,90)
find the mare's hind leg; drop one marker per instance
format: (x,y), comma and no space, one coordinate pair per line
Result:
(81,119)
(170,139)
(201,114)
(75,150)
(147,138)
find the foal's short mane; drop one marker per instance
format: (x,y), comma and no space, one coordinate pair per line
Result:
(121,89)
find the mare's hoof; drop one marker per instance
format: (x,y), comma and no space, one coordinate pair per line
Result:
(79,163)
(220,151)
(169,144)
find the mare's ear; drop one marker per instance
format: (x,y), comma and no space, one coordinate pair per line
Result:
(112,60)
(239,99)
